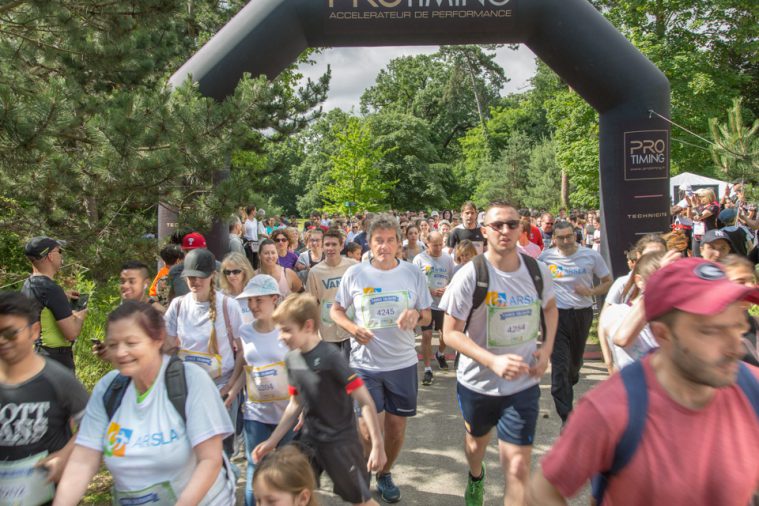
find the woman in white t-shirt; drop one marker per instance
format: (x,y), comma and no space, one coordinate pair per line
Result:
(286,279)
(153,454)
(267,392)
(236,272)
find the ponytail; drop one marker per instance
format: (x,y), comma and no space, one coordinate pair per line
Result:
(213,346)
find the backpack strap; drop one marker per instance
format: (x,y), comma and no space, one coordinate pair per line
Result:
(537,279)
(230,335)
(750,386)
(634,380)
(114,394)
(482,281)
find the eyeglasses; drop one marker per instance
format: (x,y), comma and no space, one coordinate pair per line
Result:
(547,223)
(281,239)
(564,237)
(229,272)
(12,334)
(498,225)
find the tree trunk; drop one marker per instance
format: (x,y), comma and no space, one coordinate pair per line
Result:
(564,189)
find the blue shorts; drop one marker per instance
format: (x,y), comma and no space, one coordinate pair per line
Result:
(515,416)
(393,391)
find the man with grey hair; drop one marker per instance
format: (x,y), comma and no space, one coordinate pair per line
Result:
(390,299)
(235,236)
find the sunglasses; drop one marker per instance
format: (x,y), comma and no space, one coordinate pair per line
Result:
(12,334)
(498,225)
(228,272)
(281,239)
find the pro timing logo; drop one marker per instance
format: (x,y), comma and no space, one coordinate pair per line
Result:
(418,10)
(389,4)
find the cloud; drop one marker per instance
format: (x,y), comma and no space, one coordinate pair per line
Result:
(354,69)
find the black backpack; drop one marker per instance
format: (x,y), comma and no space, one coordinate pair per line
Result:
(482,277)
(176,386)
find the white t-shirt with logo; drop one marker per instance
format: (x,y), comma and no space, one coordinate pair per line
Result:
(148,447)
(193,328)
(266,394)
(437,270)
(507,322)
(576,269)
(612,319)
(379,297)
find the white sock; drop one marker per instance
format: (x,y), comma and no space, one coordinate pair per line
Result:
(428,369)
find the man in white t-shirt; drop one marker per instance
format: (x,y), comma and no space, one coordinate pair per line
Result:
(390,298)
(438,269)
(254,232)
(573,268)
(501,364)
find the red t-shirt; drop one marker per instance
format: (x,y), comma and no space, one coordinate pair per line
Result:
(686,457)
(536,236)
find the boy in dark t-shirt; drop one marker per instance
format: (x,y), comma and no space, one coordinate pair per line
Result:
(323,386)
(40,401)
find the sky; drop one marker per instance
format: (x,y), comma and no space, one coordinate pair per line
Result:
(355,69)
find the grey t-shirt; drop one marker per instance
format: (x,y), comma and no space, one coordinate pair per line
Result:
(569,271)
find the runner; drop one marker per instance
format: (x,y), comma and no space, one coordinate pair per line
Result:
(465,252)
(390,299)
(572,267)
(265,375)
(323,282)
(40,402)
(715,245)
(412,246)
(158,448)
(546,229)
(500,368)
(236,244)
(287,280)
(285,478)
(314,252)
(59,325)
(134,280)
(324,388)
(468,229)
(178,286)
(438,270)
(685,398)
(236,271)
(171,254)
(353,251)
(254,233)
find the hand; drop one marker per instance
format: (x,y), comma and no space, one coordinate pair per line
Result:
(261,451)
(54,464)
(362,335)
(541,362)
(669,257)
(72,294)
(100,350)
(299,425)
(438,292)
(377,459)
(509,366)
(408,319)
(583,291)
(81,314)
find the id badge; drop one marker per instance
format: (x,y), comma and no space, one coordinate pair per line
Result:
(160,493)
(325,317)
(209,362)
(512,326)
(267,383)
(699,228)
(381,310)
(23,484)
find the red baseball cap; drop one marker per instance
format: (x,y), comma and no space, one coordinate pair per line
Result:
(193,241)
(693,285)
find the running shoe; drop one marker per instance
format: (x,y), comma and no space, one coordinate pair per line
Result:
(427,380)
(387,489)
(441,361)
(475,490)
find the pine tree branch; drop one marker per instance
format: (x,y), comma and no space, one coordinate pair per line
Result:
(10,6)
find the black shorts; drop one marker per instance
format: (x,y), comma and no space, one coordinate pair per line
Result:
(345,464)
(393,391)
(514,416)
(437,320)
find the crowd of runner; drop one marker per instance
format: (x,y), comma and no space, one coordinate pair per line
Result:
(301,345)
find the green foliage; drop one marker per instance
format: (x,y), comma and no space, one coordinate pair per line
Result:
(505,178)
(736,148)
(355,174)
(543,190)
(104,299)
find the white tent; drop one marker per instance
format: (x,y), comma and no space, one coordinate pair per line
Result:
(696,182)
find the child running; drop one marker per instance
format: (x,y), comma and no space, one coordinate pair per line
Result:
(264,355)
(323,386)
(285,478)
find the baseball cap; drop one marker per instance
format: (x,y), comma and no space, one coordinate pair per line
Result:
(727,216)
(199,263)
(192,241)
(693,285)
(716,235)
(434,213)
(39,247)
(261,284)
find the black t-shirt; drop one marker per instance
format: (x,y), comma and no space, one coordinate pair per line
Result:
(47,294)
(323,380)
(710,223)
(35,415)
(473,234)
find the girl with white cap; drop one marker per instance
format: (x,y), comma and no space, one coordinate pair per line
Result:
(267,392)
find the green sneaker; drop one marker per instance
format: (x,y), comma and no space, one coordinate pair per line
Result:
(475,490)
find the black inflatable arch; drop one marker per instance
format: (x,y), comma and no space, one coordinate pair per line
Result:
(574,39)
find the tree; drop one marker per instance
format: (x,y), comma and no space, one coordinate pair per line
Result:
(736,146)
(544,176)
(355,174)
(507,177)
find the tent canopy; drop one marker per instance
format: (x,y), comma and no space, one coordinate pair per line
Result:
(696,182)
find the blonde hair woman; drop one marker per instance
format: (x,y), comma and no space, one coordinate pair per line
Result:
(703,210)
(236,271)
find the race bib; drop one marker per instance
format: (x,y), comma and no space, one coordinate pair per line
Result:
(267,383)
(437,280)
(381,310)
(699,228)
(209,362)
(160,493)
(22,484)
(325,317)
(512,326)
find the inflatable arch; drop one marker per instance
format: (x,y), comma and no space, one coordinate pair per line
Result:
(570,36)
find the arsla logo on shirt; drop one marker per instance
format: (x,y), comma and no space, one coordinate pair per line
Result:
(559,271)
(501,299)
(370,290)
(118,439)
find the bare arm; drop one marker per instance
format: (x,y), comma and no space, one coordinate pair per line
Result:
(71,327)
(377,457)
(602,287)
(55,463)
(338,315)
(292,411)
(295,284)
(540,491)
(631,325)
(236,374)
(81,467)
(206,471)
